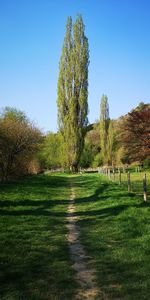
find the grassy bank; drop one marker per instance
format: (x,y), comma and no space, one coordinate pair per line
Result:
(34,254)
(115,229)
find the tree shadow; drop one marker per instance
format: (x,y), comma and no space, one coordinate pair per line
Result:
(44,203)
(35,274)
(42,207)
(30,212)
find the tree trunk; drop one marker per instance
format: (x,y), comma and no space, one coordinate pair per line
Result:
(74,168)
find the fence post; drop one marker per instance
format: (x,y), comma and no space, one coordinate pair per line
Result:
(114,174)
(129,182)
(145,188)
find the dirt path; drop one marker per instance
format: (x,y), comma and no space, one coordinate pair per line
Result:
(84,274)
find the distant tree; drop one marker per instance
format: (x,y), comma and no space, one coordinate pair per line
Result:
(91,146)
(50,154)
(104,127)
(11,113)
(110,143)
(136,134)
(87,156)
(73,91)
(142,106)
(19,141)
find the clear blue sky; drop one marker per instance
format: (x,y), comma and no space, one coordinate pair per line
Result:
(31,37)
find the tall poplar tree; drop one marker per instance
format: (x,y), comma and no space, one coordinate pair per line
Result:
(104,127)
(72,98)
(110,143)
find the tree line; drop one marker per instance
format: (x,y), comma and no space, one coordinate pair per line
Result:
(120,141)
(107,142)
(24,149)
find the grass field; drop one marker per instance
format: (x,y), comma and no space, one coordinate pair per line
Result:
(34,256)
(115,230)
(136,181)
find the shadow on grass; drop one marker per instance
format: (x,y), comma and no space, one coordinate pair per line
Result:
(37,212)
(45,203)
(39,184)
(114,242)
(102,193)
(35,255)
(39,274)
(36,265)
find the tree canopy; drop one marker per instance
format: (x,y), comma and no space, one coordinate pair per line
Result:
(73,91)
(135,133)
(19,141)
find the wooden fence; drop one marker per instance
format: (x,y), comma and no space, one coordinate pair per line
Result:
(138,182)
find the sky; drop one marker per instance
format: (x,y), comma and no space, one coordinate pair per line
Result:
(31,39)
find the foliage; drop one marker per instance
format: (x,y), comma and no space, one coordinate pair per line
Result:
(104,125)
(121,157)
(107,135)
(91,146)
(146,162)
(73,91)
(110,142)
(12,113)
(50,154)
(19,142)
(87,156)
(135,134)
(97,161)
(93,137)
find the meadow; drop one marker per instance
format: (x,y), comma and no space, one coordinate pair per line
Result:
(35,262)
(136,179)
(114,229)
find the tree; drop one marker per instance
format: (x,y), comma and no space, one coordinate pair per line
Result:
(118,152)
(136,133)
(73,91)
(110,143)
(104,126)
(87,156)
(19,141)
(91,146)
(50,154)
(11,113)
(107,133)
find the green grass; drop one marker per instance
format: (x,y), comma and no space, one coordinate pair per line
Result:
(34,254)
(136,181)
(115,229)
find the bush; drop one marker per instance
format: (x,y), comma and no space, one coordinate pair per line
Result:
(19,143)
(146,163)
(98,161)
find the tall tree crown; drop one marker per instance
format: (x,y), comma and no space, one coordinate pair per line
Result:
(73,90)
(104,108)
(106,131)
